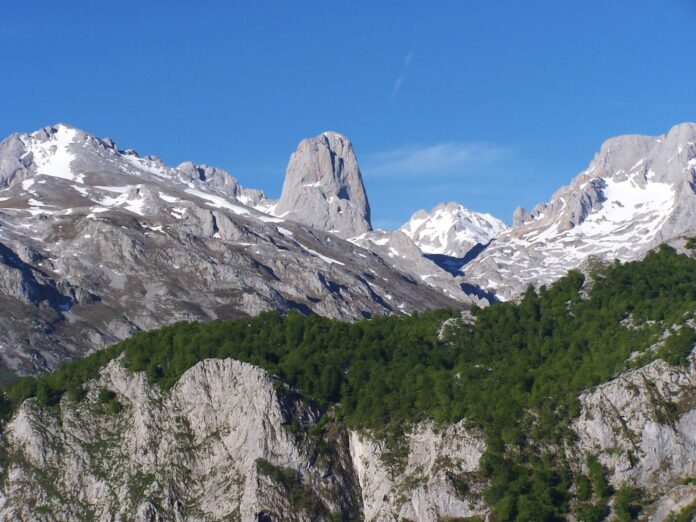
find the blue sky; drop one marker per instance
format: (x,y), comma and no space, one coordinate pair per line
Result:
(492,104)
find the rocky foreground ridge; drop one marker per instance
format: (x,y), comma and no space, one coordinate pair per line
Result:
(229,442)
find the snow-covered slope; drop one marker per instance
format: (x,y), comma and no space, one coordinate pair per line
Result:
(64,162)
(636,193)
(97,243)
(400,251)
(451,229)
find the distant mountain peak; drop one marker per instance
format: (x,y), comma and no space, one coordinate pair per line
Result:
(451,229)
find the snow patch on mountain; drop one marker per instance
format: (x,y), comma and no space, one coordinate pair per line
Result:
(53,157)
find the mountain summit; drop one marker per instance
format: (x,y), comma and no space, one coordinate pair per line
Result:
(636,193)
(323,187)
(451,229)
(97,243)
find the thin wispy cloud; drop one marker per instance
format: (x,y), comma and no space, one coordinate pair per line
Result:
(441,159)
(400,79)
(397,85)
(408,58)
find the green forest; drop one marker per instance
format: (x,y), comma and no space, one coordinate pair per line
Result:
(515,373)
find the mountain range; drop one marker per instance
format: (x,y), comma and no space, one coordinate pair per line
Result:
(572,400)
(97,243)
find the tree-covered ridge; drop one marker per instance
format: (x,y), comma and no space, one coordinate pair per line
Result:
(515,373)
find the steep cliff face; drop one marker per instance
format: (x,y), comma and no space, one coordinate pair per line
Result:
(229,442)
(220,445)
(434,479)
(324,189)
(642,425)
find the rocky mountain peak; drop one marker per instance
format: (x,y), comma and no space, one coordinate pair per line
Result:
(451,229)
(97,242)
(637,192)
(646,163)
(221,180)
(323,187)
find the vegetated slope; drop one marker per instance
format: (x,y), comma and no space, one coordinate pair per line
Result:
(515,373)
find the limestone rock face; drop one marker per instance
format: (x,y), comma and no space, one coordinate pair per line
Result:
(520,216)
(419,487)
(323,187)
(207,449)
(229,441)
(221,179)
(642,425)
(222,444)
(14,161)
(637,193)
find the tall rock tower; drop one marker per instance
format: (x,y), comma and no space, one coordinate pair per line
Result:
(323,187)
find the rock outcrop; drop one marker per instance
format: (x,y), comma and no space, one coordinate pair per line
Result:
(228,442)
(425,485)
(222,180)
(642,426)
(323,187)
(220,445)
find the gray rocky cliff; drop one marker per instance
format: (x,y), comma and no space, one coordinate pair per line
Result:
(636,193)
(323,187)
(423,485)
(223,444)
(230,442)
(642,425)
(208,449)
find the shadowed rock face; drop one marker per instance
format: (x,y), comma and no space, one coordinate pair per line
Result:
(324,189)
